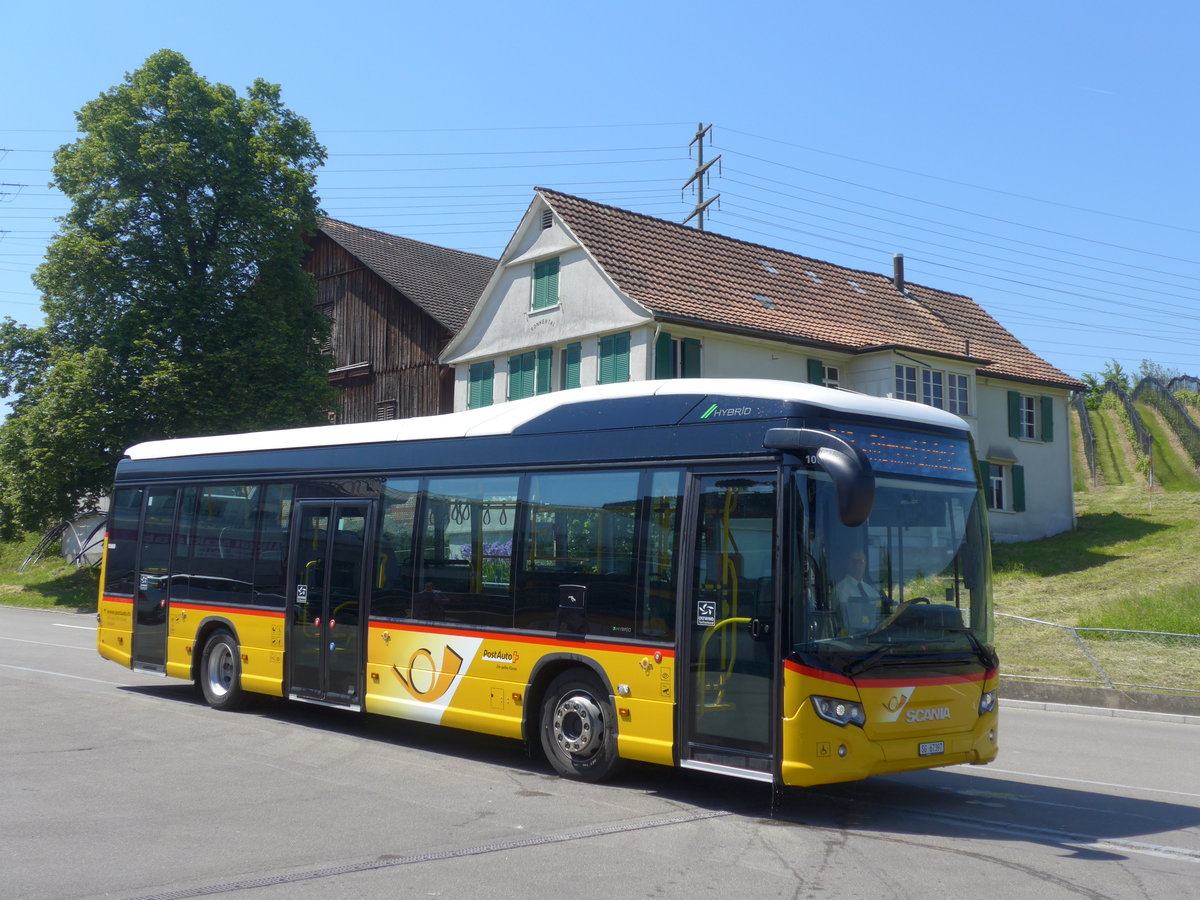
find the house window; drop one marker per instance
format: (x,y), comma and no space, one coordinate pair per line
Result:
(1004,485)
(386,409)
(570,366)
(956,388)
(530,373)
(482,376)
(676,357)
(545,283)
(832,376)
(614,359)
(906,383)
(932,393)
(1027,417)
(1030,418)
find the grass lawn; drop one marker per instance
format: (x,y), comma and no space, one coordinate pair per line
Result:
(49,584)
(1130,564)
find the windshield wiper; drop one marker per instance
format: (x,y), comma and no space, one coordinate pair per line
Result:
(861,665)
(986,656)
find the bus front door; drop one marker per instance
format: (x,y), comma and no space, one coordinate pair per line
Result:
(728,696)
(154,582)
(326,578)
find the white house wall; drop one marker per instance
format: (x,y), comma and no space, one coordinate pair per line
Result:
(1049,488)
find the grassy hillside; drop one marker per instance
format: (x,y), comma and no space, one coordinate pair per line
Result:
(1120,462)
(50,584)
(1173,468)
(1130,564)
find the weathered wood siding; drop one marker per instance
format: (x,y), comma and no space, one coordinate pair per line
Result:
(374,323)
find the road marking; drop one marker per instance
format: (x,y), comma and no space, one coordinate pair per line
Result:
(84,627)
(65,675)
(1106,784)
(46,643)
(1069,838)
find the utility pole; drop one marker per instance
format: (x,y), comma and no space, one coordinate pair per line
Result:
(700,176)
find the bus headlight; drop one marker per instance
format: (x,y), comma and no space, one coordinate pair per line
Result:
(987,702)
(839,712)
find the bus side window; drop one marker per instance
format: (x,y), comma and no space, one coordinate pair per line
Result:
(660,544)
(122,542)
(465,561)
(392,571)
(580,530)
(270,557)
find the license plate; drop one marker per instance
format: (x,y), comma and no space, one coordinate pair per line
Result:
(933,748)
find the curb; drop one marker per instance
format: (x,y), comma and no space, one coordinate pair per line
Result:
(1144,715)
(1100,698)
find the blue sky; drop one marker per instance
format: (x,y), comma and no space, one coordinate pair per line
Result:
(1037,156)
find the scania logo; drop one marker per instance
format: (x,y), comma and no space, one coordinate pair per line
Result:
(931,714)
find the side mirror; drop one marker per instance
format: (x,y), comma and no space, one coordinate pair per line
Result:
(848,466)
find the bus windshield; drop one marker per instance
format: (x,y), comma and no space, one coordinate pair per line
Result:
(912,581)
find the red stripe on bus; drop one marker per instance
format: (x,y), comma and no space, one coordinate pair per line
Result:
(667,652)
(226,610)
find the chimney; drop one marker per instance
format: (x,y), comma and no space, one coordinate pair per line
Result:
(898,272)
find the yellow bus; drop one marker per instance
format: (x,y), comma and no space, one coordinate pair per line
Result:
(770,580)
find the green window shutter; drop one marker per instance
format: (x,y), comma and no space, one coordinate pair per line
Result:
(545,283)
(663,363)
(605,373)
(545,363)
(691,358)
(1014,414)
(481,385)
(1047,419)
(614,358)
(985,478)
(621,343)
(571,366)
(520,376)
(1018,488)
(816,372)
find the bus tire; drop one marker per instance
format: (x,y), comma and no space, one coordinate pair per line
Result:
(578,727)
(221,672)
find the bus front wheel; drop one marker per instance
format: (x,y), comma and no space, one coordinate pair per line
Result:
(221,672)
(578,727)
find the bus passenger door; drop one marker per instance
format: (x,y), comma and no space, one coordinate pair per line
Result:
(727,693)
(326,577)
(153,582)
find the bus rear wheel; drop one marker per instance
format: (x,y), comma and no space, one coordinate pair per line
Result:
(221,672)
(578,727)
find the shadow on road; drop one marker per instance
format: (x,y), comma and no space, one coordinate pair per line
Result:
(943,803)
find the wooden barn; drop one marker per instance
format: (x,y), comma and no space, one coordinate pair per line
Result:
(395,303)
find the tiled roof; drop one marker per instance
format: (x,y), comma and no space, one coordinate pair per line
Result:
(682,274)
(445,283)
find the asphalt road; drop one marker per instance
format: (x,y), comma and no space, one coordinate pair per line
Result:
(119,785)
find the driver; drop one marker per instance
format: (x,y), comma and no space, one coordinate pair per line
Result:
(858,602)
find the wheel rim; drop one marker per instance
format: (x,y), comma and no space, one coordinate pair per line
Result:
(578,725)
(220,669)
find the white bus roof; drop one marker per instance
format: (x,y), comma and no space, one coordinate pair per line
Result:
(505,418)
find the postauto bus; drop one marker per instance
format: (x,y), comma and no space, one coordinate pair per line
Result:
(770,580)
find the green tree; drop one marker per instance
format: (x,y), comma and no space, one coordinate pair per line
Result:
(174,298)
(1094,385)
